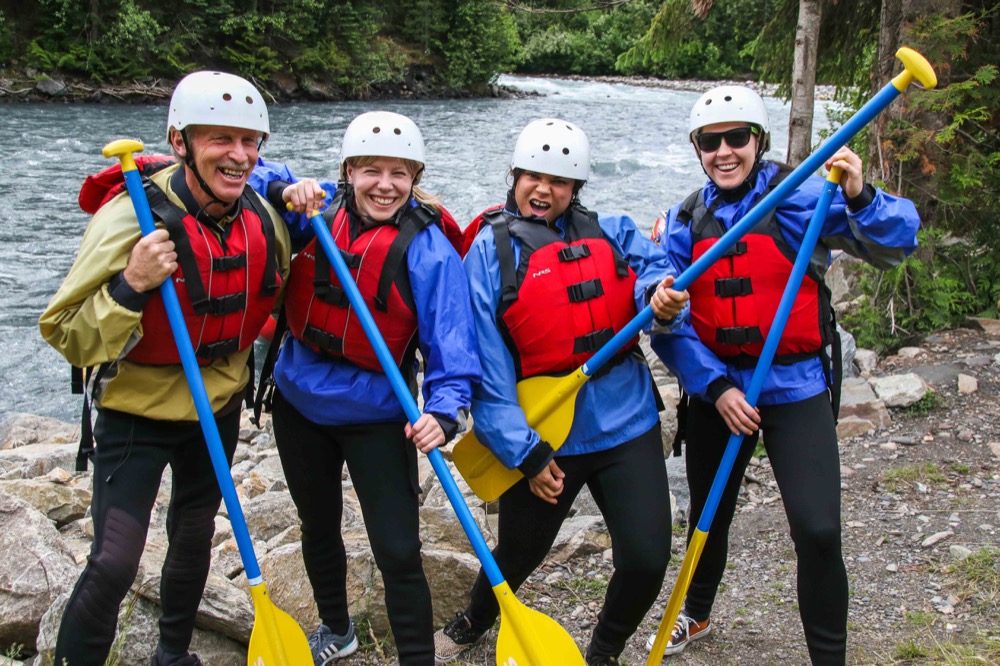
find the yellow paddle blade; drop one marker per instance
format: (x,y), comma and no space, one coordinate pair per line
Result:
(530,638)
(277,639)
(677,596)
(548,404)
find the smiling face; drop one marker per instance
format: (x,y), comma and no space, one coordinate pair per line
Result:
(728,167)
(381,186)
(542,195)
(223,156)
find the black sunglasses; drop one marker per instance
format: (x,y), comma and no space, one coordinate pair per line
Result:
(709,142)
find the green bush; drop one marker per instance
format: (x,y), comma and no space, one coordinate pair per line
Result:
(481,43)
(945,150)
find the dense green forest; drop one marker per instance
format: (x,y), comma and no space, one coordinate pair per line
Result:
(941,148)
(357,48)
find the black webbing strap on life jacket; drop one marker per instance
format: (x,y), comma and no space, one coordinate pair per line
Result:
(327,342)
(172,217)
(269,285)
(411,221)
(323,287)
(833,363)
(683,408)
(498,219)
(581,223)
(265,385)
(80,378)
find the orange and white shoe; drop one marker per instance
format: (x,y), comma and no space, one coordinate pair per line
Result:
(685,630)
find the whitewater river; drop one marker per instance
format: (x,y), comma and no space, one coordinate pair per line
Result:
(641,165)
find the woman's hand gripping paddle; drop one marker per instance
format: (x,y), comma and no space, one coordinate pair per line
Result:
(277,639)
(527,637)
(549,402)
(916,66)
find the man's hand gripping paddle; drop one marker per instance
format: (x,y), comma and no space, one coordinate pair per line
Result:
(527,637)
(915,67)
(549,402)
(277,639)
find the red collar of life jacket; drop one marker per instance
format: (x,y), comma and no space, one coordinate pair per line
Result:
(566,297)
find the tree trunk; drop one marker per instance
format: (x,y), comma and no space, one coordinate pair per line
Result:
(800,118)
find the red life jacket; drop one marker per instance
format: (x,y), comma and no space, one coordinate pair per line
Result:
(319,313)
(567,296)
(472,230)
(735,301)
(239,269)
(100,188)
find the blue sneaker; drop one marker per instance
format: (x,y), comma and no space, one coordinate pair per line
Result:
(327,646)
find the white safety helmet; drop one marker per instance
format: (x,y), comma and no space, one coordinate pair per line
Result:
(730,104)
(217,98)
(554,147)
(383,134)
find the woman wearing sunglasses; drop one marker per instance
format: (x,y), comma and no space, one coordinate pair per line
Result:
(714,354)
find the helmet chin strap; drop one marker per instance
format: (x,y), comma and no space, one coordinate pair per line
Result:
(189,164)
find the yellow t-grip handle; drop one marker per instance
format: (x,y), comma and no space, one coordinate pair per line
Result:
(123,149)
(312,213)
(836,173)
(915,66)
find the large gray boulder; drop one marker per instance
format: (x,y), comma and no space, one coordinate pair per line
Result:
(20,430)
(900,390)
(860,409)
(36,569)
(33,460)
(61,503)
(137,636)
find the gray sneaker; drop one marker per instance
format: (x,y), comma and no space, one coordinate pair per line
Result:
(457,637)
(327,646)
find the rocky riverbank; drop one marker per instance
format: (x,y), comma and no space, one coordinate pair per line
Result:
(920,455)
(33,86)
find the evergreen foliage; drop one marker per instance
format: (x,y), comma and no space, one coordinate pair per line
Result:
(947,147)
(678,44)
(559,39)
(349,47)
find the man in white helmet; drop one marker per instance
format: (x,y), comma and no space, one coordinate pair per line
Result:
(227,252)
(714,355)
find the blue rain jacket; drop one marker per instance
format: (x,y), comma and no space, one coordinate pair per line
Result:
(332,391)
(882,233)
(610,409)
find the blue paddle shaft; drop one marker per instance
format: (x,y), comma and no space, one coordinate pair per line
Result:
(792,181)
(770,347)
(405,398)
(190,364)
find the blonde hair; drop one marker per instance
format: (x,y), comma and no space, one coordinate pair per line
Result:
(414,167)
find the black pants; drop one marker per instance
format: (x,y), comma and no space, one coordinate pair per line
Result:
(629,484)
(131,453)
(801,443)
(383,467)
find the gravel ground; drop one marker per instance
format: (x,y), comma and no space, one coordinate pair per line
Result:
(918,497)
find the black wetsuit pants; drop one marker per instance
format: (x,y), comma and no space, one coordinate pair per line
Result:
(629,485)
(801,443)
(131,454)
(383,468)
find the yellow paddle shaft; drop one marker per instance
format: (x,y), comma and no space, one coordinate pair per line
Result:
(694,549)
